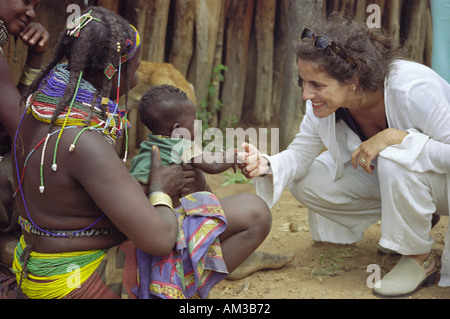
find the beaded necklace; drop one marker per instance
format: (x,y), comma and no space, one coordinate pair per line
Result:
(43,103)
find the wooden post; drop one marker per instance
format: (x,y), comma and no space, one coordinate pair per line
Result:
(237,44)
(394,12)
(213,105)
(258,97)
(154,32)
(207,17)
(417,28)
(296,14)
(183,35)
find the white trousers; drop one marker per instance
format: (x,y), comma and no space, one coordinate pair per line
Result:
(340,211)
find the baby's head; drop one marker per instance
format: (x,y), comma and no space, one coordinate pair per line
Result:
(165,109)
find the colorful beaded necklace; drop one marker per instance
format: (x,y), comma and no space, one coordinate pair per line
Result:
(42,105)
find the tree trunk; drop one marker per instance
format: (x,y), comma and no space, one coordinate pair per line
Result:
(428,39)
(112,5)
(348,7)
(154,32)
(135,12)
(415,41)
(183,35)
(297,14)
(213,103)
(258,101)
(394,11)
(361,10)
(236,54)
(281,45)
(207,17)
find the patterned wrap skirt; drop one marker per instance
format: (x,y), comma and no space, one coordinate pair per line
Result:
(196,264)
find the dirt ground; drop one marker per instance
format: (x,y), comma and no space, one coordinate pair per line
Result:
(319,270)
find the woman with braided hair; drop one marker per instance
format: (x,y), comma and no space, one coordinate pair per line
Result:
(82,214)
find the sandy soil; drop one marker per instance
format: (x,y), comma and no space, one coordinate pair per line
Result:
(319,270)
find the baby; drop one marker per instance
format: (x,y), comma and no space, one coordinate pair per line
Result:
(169,115)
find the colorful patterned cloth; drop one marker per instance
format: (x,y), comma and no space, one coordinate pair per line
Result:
(196,264)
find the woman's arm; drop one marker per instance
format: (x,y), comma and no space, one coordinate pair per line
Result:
(99,170)
(289,165)
(36,37)
(425,110)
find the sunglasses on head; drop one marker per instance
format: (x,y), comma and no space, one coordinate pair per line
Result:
(322,42)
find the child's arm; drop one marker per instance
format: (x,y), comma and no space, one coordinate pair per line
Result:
(215,163)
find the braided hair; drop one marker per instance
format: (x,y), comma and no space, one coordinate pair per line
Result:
(90,52)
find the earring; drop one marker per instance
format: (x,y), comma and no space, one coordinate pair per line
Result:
(354,88)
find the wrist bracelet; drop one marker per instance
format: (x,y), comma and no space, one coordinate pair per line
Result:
(160,198)
(28,75)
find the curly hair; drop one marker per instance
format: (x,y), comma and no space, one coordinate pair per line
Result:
(161,106)
(371,50)
(90,53)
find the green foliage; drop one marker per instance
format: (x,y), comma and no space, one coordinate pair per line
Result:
(211,104)
(233,178)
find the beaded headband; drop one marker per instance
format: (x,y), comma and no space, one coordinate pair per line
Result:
(132,52)
(110,69)
(79,23)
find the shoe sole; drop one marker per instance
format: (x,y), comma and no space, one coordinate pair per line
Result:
(429,280)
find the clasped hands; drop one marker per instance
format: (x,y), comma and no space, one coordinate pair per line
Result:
(253,164)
